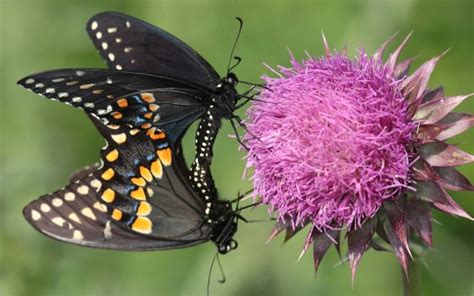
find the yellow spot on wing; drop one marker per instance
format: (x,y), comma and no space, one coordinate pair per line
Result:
(122,103)
(156,169)
(143,209)
(117,214)
(142,225)
(145,173)
(138,181)
(108,195)
(35,215)
(108,174)
(164,155)
(138,194)
(112,155)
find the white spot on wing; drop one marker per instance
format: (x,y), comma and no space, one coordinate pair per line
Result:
(77,235)
(75,218)
(45,208)
(119,138)
(94,25)
(88,213)
(98,35)
(89,105)
(57,202)
(104,45)
(111,57)
(50,90)
(127,24)
(77,99)
(35,215)
(111,30)
(58,221)
(118,40)
(80,73)
(63,95)
(127,49)
(39,85)
(108,230)
(29,81)
(69,196)
(58,80)
(118,67)
(83,189)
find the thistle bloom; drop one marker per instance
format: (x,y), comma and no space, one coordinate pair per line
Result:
(356,145)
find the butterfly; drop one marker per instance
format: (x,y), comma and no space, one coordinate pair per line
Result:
(143,196)
(154,80)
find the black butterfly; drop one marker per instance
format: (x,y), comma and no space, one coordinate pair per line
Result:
(139,199)
(156,87)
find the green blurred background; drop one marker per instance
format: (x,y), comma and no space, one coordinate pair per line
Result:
(42,142)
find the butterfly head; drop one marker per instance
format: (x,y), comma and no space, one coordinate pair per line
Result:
(227,95)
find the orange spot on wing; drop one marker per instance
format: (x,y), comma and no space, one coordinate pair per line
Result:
(145,125)
(122,103)
(112,155)
(154,135)
(148,97)
(156,169)
(108,174)
(148,115)
(117,214)
(143,209)
(138,181)
(146,173)
(108,195)
(165,156)
(138,194)
(142,225)
(153,107)
(117,115)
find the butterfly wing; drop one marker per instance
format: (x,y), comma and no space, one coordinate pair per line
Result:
(130,44)
(139,199)
(116,97)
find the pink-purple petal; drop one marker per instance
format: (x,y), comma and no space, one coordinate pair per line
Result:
(358,241)
(321,243)
(435,110)
(440,154)
(433,193)
(419,218)
(396,217)
(455,124)
(451,179)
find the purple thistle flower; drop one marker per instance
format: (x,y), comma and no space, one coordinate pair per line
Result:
(356,144)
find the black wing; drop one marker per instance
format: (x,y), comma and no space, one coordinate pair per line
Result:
(130,44)
(116,97)
(138,200)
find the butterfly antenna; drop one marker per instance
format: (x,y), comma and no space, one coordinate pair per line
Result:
(241,24)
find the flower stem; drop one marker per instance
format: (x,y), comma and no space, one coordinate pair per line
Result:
(411,284)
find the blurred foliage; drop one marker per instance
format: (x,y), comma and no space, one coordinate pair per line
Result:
(43,142)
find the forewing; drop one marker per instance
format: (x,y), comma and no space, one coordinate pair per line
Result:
(133,45)
(115,97)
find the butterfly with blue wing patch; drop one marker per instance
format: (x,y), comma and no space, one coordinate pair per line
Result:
(139,199)
(155,80)
(156,87)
